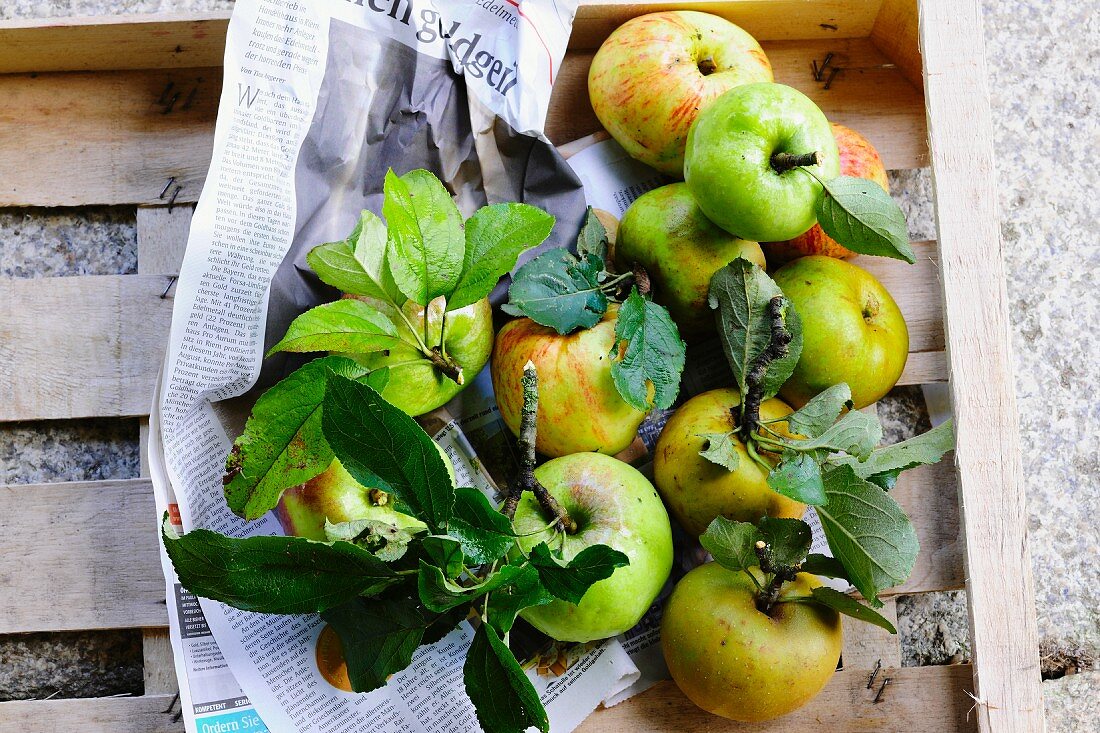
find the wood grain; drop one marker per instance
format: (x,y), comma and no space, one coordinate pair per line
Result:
(81,346)
(75,139)
(987,457)
(895,34)
(866,644)
(918,700)
(767,20)
(146,714)
(162,238)
(80,556)
(102,43)
(877,101)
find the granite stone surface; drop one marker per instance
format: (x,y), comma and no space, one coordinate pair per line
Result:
(1043,69)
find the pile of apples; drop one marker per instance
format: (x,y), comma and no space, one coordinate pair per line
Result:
(693,96)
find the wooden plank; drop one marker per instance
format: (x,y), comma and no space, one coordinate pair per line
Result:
(158,663)
(123,127)
(81,346)
(80,556)
(924,368)
(162,238)
(102,43)
(999,584)
(866,644)
(146,714)
(895,34)
(929,497)
(767,20)
(875,100)
(918,700)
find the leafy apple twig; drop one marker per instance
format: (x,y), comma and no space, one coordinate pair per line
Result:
(827,456)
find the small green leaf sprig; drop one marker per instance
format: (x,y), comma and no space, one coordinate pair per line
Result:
(421,254)
(828,457)
(568,292)
(387,590)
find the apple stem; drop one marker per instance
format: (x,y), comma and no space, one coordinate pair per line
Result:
(780,574)
(754,378)
(526,480)
(783,162)
(446,365)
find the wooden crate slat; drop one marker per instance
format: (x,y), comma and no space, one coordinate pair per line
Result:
(924,368)
(928,495)
(75,139)
(162,238)
(145,714)
(918,700)
(766,20)
(866,644)
(80,556)
(103,43)
(878,102)
(81,346)
(999,584)
(895,34)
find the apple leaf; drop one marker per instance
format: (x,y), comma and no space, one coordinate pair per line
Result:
(648,356)
(884,464)
(559,291)
(741,292)
(731,544)
(525,591)
(495,237)
(856,433)
(385,540)
(357,265)
(438,593)
(283,575)
(570,581)
(819,414)
(859,214)
(282,444)
(720,448)
(426,241)
(504,698)
(445,553)
(485,533)
(593,238)
(843,603)
(379,636)
(346,325)
(788,540)
(798,476)
(867,532)
(824,565)
(381,446)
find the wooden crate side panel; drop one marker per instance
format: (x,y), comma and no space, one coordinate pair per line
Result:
(917,700)
(987,457)
(81,346)
(767,20)
(93,550)
(875,100)
(895,34)
(161,41)
(119,137)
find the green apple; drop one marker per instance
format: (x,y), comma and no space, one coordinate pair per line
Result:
(334,495)
(654,73)
(697,490)
(666,233)
(615,505)
(417,384)
(733,660)
(736,165)
(852,330)
(579,407)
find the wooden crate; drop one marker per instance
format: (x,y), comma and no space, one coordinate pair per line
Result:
(121,111)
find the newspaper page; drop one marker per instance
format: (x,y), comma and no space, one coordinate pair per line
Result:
(319,99)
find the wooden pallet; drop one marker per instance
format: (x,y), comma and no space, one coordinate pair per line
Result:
(86,120)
